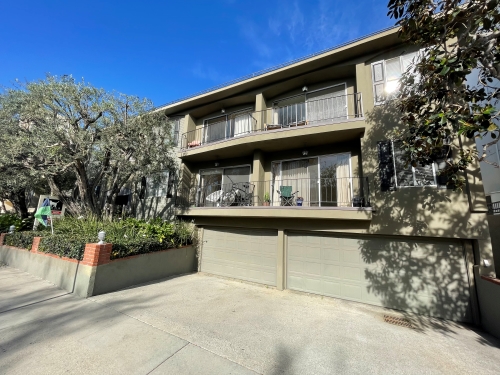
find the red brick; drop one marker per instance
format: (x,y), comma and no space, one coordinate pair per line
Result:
(96,254)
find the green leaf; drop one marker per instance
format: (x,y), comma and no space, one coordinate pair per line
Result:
(445,70)
(492,128)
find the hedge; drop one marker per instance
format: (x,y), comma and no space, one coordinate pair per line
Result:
(129,237)
(23,240)
(64,246)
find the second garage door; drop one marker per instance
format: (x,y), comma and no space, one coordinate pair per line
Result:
(247,254)
(425,277)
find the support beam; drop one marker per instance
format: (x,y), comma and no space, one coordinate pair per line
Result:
(280,260)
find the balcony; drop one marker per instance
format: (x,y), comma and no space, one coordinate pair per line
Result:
(297,119)
(321,198)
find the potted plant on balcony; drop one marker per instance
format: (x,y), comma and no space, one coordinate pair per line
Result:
(300,200)
(267,199)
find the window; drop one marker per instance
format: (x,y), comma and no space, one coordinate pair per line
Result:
(393,172)
(412,176)
(387,73)
(176,128)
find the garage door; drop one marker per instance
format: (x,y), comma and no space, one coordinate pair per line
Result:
(247,254)
(428,278)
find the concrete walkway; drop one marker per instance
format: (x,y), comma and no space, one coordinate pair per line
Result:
(198,324)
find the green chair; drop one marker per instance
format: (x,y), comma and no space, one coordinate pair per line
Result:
(286,196)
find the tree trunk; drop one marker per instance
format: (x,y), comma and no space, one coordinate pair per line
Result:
(23,208)
(18,200)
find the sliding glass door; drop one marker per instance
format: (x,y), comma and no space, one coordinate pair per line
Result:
(320,181)
(214,182)
(215,129)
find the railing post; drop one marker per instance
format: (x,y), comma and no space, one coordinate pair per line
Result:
(361,103)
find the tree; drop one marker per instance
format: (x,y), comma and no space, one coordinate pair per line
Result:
(85,143)
(437,100)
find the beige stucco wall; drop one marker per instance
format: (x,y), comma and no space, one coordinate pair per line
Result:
(418,211)
(489,301)
(86,281)
(123,273)
(73,277)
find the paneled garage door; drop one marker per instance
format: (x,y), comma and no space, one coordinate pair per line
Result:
(247,254)
(428,278)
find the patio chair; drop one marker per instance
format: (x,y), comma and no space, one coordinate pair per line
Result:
(286,196)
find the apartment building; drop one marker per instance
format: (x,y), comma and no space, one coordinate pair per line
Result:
(294,182)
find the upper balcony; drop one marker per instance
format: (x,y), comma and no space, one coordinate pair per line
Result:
(322,120)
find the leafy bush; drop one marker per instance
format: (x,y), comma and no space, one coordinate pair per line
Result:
(23,240)
(128,247)
(6,220)
(64,246)
(129,237)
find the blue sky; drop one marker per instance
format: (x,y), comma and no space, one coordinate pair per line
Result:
(164,50)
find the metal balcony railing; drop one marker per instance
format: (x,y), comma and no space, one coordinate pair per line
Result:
(494,208)
(302,113)
(284,192)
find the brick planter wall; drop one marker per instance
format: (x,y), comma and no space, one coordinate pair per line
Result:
(96,254)
(96,273)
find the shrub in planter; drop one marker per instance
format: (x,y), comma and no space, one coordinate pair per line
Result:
(135,246)
(23,240)
(6,220)
(64,246)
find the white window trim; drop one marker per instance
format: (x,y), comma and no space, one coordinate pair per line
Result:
(413,173)
(384,82)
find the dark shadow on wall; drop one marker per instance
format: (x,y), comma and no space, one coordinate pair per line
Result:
(427,277)
(157,207)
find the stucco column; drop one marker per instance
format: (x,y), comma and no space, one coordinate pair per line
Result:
(280,260)
(257,177)
(260,111)
(188,133)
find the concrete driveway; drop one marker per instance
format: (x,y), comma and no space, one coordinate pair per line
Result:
(199,324)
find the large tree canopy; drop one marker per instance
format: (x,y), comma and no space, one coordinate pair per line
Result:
(84,143)
(437,99)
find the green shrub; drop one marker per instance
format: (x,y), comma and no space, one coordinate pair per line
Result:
(64,246)
(6,220)
(127,247)
(23,240)
(129,237)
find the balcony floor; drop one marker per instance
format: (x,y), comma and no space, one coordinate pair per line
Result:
(332,213)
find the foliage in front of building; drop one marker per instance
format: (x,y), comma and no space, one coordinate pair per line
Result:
(7,220)
(129,237)
(22,240)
